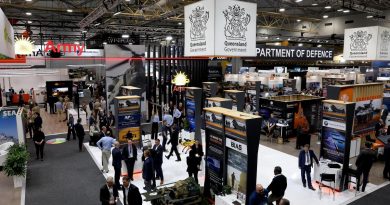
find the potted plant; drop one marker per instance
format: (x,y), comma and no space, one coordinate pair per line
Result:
(16,163)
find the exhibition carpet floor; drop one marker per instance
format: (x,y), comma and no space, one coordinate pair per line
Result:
(65,177)
(378,197)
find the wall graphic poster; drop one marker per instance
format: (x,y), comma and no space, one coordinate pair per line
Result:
(333,144)
(8,126)
(190,113)
(367,114)
(129,119)
(214,119)
(237,171)
(235,126)
(211,103)
(215,162)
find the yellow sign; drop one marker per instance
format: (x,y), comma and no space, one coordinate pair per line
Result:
(180,79)
(24,46)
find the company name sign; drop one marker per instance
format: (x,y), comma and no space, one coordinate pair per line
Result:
(367,43)
(296,53)
(220,28)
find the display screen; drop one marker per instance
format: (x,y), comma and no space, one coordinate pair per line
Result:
(59,92)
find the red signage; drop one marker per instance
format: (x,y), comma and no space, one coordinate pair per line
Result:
(65,47)
(17,59)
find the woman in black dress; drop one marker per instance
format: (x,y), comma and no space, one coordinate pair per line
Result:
(193,165)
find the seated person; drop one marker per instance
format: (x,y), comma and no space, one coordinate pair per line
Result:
(378,128)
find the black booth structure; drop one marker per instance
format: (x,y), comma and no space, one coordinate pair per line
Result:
(337,125)
(232,143)
(219,102)
(301,112)
(238,98)
(193,105)
(210,90)
(252,94)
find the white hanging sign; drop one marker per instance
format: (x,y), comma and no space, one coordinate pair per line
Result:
(220,28)
(7,49)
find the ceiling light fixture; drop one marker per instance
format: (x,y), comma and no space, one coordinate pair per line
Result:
(277,38)
(310,40)
(29,22)
(104,43)
(69,10)
(289,39)
(97,24)
(340,10)
(298,20)
(325,16)
(370,16)
(319,45)
(277,44)
(125,35)
(28,0)
(168,38)
(297,1)
(76,42)
(327,7)
(28,13)
(314,4)
(300,44)
(84,31)
(180,23)
(346,11)
(282,10)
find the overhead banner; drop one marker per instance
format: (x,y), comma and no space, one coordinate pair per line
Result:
(367,43)
(293,53)
(7,42)
(220,28)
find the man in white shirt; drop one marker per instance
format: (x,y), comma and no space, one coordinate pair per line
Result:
(167,123)
(176,115)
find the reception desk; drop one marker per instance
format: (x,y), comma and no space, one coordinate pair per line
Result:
(324,168)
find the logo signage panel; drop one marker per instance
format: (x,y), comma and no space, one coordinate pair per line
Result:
(334,124)
(7,47)
(238,146)
(367,43)
(220,28)
(295,53)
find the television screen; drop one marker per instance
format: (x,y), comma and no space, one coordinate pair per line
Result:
(60,91)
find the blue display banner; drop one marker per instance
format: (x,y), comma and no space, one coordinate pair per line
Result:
(190,105)
(8,127)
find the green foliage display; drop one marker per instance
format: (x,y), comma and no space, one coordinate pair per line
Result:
(16,161)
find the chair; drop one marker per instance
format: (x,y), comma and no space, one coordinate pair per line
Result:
(353,173)
(327,178)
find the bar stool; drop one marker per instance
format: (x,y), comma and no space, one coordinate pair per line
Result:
(327,178)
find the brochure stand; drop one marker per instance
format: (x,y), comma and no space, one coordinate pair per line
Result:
(219,102)
(238,98)
(232,141)
(193,110)
(336,141)
(128,118)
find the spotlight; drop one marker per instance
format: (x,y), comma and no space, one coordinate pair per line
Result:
(282,9)
(69,10)
(300,44)
(298,20)
(125,35)
(325,16)
(28,13)
(327,7)
(346,11)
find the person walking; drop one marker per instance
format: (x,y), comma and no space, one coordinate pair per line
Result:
(80,133)
(259,196)
(364,163)
(193,165)
(59,109)
(277,187)
(37,121)
(39,142)
(176,116)
(305,163)
(148,171)
(386,157)
(155,121)
(158,160)
(109,192)
(174,140)
(131,194)
(129,155)
(117,163)
(30,123)
(110,119)
(105,144)
(71,128)
(167,124)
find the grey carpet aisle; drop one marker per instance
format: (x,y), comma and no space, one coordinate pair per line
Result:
(378,197)
(65,177)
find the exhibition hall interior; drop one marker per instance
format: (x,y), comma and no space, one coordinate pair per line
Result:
(188,102)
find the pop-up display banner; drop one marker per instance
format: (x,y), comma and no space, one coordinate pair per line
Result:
(7,42)
(367,43)
(9,131)
(193,110)
(220,28)
(128,117)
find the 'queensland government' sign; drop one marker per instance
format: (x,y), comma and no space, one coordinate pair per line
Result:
(294,53)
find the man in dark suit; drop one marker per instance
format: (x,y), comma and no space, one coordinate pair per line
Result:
(174,140)
(148,171)
(198,149)
(364,163)
(108,192)
(305,163)
(129,154)
(386,156)
(80,133)
(131,194)
(158,160)
(384,113)
(277,187)
(37,121)
(117,163)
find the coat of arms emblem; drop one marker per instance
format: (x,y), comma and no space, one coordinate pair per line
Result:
(198,19)
(237,21)
(359,40)
(385,36)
